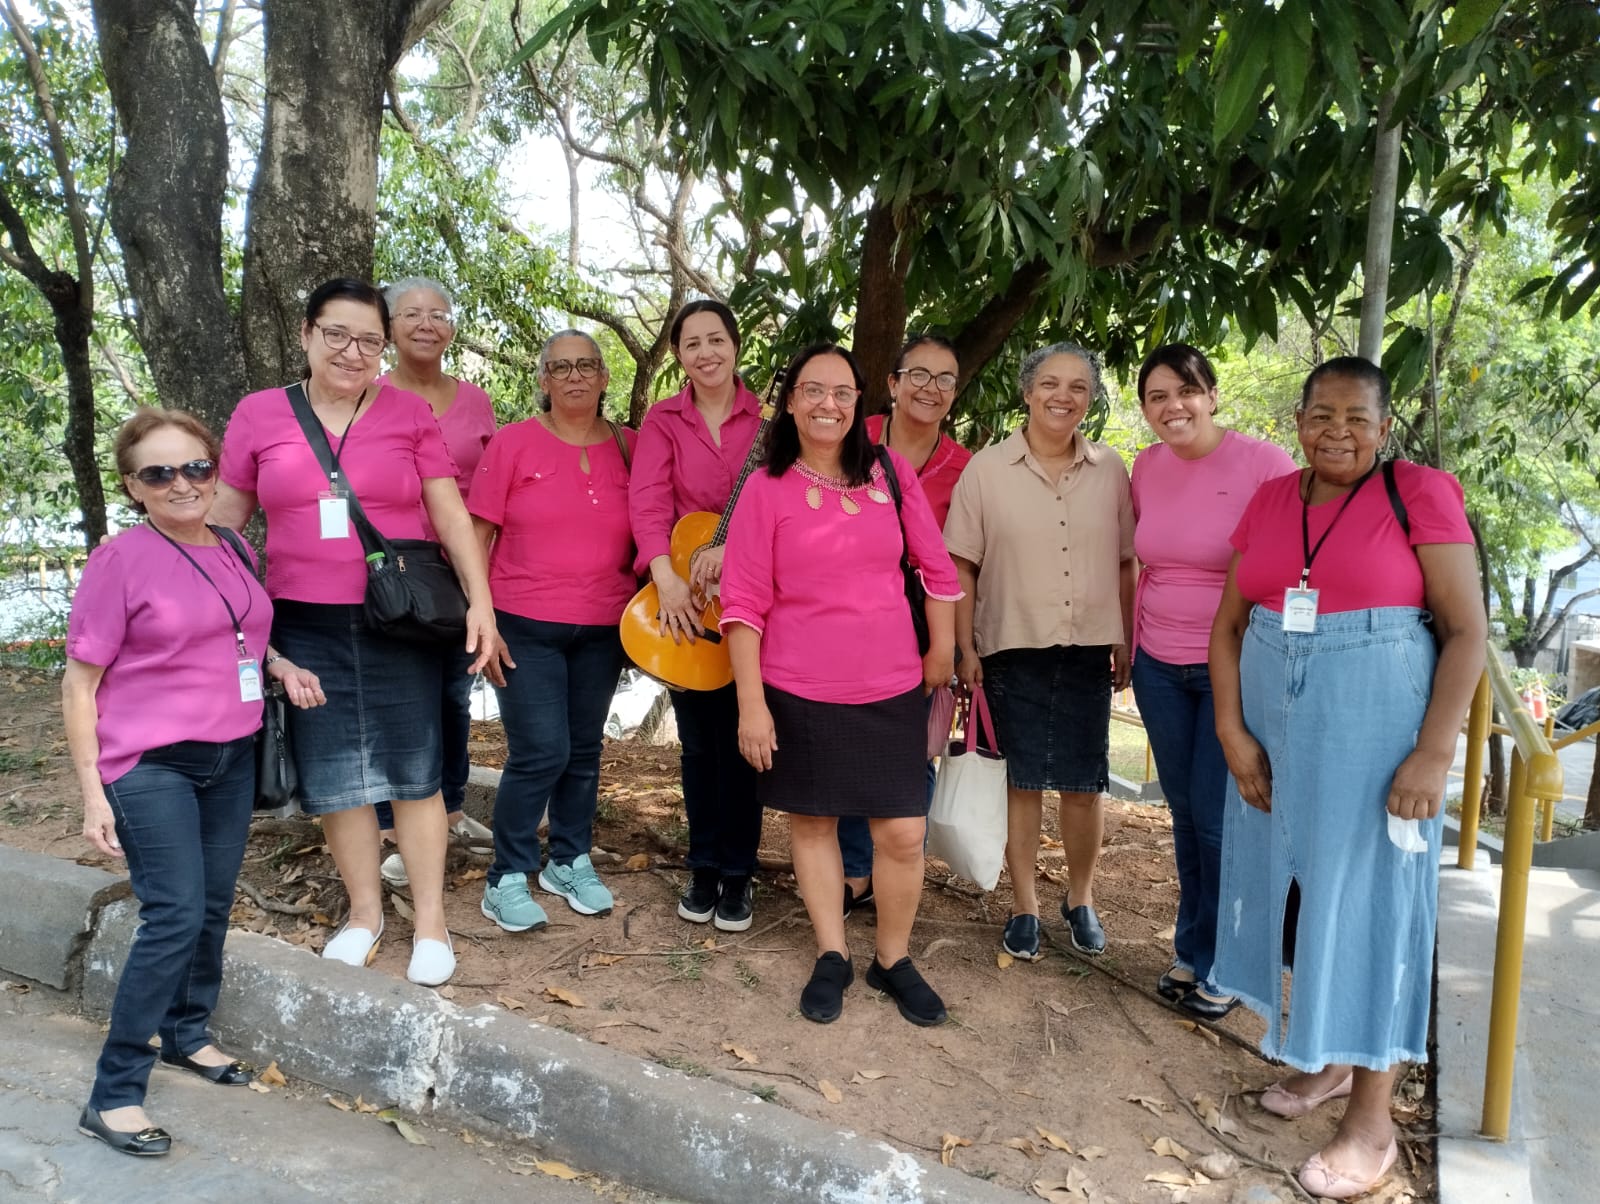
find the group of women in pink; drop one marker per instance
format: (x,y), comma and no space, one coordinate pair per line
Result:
(1050,578)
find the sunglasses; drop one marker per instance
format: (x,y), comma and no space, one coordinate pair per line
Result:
(197,472)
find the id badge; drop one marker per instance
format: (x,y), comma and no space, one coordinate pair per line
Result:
(1300,610)
(333,513)
(249,681)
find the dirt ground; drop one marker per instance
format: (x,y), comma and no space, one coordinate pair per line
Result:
(1066,1077)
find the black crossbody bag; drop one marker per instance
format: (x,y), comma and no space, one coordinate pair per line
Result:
(412,592)
(916,594)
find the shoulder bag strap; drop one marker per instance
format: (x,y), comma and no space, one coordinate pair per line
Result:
(892,481)
(231,538)
(1396,502)
(372,540)
(622,444)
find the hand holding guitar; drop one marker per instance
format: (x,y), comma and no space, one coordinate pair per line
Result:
(677,616)
(705,570)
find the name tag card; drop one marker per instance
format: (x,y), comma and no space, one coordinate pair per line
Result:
(1300,610)
(249,681)
(333,512)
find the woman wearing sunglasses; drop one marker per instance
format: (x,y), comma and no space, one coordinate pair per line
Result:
(379,736)
(166,652)
(830,682)
(424,326)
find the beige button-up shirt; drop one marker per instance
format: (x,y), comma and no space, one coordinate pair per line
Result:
(1049,555)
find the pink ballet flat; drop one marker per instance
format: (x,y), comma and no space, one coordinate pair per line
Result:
(1280,1101)
(1320,1179)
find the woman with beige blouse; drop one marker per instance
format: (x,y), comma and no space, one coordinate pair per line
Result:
(1041,529)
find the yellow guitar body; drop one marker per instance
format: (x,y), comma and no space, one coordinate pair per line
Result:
(702,665)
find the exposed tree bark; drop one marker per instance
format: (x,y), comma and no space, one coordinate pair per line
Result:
(166,201)
(881,302)
(1380,232)
(71,299)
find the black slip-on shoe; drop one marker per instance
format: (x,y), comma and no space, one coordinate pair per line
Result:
(853,900)
(1170,987)
(735,903)
(1021,937)
(699,902)
(229,1074)
(144,1143)
(1087,935)
(1206,1006)
(823,997)
(901,982)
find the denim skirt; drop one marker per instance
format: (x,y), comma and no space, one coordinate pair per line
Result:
(1337,710)
(1052,715)
(378,735)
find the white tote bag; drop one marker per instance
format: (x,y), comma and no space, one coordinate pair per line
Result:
(967,821)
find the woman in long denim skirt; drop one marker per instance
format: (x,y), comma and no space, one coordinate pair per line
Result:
(1338,707)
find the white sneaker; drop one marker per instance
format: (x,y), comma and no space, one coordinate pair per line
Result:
(393,870)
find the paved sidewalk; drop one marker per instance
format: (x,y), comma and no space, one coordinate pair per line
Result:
(1551,1157)
(289,1147)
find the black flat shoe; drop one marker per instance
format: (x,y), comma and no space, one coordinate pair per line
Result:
(1084,925)
(230,1074)
(917,1001)
(823,997)
(1173,988)
(146,1143)
(853,900)
(1207,1007)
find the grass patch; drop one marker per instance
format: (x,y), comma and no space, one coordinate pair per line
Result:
(687,965)
(765,1092)
(746,975)
(684,1066)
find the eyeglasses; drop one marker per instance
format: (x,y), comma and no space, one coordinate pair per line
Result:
(197,472)
(338,338)
(588,368)
(438,317)
(919,378)
(814,391)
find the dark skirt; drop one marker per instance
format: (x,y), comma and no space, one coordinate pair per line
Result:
(1052,715)
(848,759)
(378,735)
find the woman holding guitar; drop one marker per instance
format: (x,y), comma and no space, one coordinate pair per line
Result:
(693,448)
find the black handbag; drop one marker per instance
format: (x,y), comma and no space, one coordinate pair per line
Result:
(916,594)
(277,779)
(412,592)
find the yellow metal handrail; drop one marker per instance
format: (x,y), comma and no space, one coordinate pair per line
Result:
(1535,777)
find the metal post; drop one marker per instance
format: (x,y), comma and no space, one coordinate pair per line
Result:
(1507,992)
(1472,781)
(1547,812)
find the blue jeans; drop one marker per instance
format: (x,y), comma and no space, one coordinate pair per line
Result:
(719,785)
(1175,701)
(182,814)
(553,707)
(455,718)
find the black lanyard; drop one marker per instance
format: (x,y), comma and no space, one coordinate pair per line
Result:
(1305,522)
(335,452)
(236,619)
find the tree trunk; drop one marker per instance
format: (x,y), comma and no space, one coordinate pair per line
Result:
(1380,233)
(1591,809)
(73,331)
(880,326)
(166,201)
(1495,800)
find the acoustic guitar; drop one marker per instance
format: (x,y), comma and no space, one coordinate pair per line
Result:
(703,664)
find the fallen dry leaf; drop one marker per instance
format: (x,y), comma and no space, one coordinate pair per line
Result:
(1060,1009)
(1154,1105)
(1063,1191)
(1052,1140)
(258,1086)
(510,1004)
(1200,1030)
(1090,1152)
(363,1106)
(391,1116)
(744,1055)
(1022,1143)
(567,997)
(1003,960)
(471,875)
(639,861)
(948,1144)
(1212,1116)
(404,909)
(868,1076)
(605,959)
(709,943)
(1165,1147)
(557,1170)
(829,1092)
(321,917)
(272,1076)
(337,1103)
(447,992)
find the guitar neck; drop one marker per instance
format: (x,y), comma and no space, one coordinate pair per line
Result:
(768,411)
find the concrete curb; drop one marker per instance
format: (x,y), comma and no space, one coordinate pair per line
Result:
(47,913)
(361,1032)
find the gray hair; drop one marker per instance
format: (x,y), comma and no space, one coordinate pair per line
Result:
(1035,359)
(411,284)
(570,333)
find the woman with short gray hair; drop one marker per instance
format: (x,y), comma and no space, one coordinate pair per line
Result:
(424,326)
(1041,529)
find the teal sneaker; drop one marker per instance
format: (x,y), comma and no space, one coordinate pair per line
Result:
(579,885)
(511,905)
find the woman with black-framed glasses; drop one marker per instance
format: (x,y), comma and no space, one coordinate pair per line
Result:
(379,737)
(166,656)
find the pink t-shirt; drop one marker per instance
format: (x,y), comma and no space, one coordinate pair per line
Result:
(166,643)
(1185,510)
(391,449)
(939,475)
(467,426)
(680,469)
(564,553)
(824,587)
(1367,561)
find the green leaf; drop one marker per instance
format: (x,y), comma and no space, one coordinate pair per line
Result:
(1240,75)
(1468,20)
